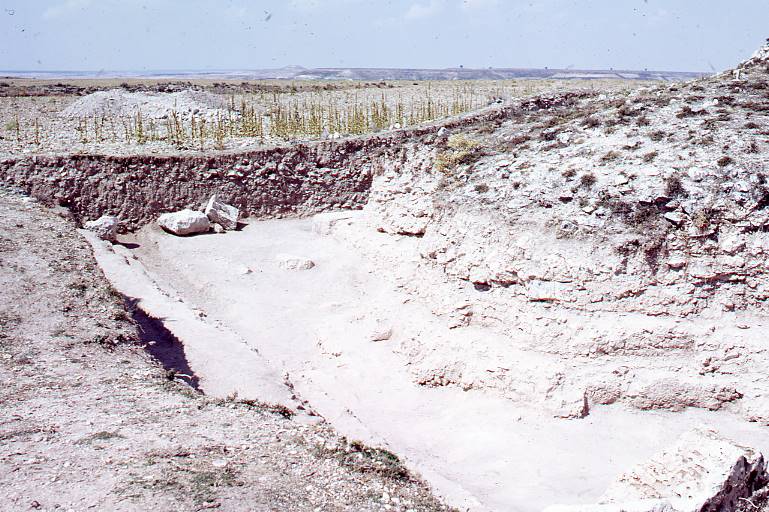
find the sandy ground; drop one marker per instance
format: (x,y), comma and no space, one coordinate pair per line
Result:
(88,421)
(477,449)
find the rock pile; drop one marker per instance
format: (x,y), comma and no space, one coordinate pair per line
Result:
(121,103)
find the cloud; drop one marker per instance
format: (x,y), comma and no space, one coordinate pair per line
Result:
(65,7)
(426,10)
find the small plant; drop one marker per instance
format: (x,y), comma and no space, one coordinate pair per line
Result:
(650,156)
(13,125)
(592,122)
(462,150)
(687,111)
(724,161)
(700,220)
(587,180)
(674,187)
(610,156)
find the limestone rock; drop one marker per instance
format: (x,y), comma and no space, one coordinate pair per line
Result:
(702,471)
(382,332)
(289,262)
(323,223)
(402,203)
(184,222)
(221,213)
(105,227)
(675,395)
(674,218)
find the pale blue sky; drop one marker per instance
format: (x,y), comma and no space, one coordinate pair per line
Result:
(92,35)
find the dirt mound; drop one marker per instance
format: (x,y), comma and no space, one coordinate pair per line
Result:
(120,103)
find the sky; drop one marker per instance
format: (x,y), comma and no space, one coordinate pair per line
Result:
(152,35)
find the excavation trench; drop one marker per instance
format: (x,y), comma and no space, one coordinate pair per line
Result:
(248,325)
(311,340)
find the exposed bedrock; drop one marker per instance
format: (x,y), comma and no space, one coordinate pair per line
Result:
(621,261)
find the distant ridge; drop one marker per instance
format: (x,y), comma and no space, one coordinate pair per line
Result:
(369,74)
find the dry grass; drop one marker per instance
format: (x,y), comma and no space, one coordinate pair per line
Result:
(462,150)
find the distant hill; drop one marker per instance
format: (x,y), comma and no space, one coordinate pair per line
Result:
(372,74)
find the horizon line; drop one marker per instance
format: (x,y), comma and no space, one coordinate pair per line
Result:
(117,72)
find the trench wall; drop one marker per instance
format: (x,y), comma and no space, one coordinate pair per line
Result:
(291,180)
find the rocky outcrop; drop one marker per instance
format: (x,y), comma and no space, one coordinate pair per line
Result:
(622,239)
(323,223)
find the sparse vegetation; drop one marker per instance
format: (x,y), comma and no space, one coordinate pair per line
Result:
(587,180)
(592,122)
(724,161)
(674,187)
(462,150)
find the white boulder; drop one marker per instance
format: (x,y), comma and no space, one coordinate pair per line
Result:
(184,222)
(221,213)
(702,471)
(105,227)
(381,332)
(289,262)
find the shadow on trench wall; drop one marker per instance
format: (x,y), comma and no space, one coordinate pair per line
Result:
(161,344)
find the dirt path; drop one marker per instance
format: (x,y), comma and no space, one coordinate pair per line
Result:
(89,422)
(317,326)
